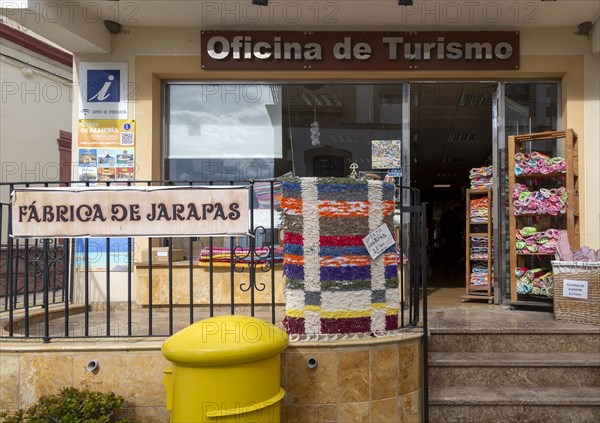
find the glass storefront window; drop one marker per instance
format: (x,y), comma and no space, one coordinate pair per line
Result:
(222,132)
(236,132)
(531,107)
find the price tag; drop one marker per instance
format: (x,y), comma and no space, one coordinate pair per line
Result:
(378,241)
(575,289)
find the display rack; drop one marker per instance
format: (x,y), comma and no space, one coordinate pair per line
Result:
(540,184)
(479,271)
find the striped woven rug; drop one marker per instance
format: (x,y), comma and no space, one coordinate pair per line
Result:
(332,284)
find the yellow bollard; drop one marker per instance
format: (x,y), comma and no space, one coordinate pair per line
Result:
(225,369)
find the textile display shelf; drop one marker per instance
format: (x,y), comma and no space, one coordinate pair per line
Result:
(479,273)
(543,199)
(577,291)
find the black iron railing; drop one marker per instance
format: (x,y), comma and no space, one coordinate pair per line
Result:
(104,288)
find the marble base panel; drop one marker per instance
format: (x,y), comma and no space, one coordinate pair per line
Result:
(363,380)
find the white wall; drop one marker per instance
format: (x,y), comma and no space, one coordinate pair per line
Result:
(35,105)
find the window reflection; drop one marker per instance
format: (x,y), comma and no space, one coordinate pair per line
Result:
(239,132)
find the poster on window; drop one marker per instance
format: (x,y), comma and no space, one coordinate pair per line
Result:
(386,154)
(103,90)
(105,153)
(106,150)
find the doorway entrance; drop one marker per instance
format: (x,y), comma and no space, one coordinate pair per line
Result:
(450,133)
(429,135)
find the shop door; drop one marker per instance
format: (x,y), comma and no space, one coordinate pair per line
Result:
(518,108)
(501,246)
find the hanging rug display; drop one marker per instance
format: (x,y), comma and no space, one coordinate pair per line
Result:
(333,286)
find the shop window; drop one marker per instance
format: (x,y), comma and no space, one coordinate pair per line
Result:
(222,132)
(531,107)
(237,132)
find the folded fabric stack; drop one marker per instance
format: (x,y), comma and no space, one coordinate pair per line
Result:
(479,248)
(564,252)
(529,240)
(481,177)
(479,210)
(545,201)
(586,254)
(240,255)
(534,281)
(479,275)
(536,163)
(262,190)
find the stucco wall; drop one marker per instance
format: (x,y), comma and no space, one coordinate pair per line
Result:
(35,106)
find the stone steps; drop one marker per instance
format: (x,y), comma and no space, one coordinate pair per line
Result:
(515,359)
(514,369)
(534,341)
(515,395)
(514,375)
(514,404)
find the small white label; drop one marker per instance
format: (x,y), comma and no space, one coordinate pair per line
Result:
(162,254)
(378,241)
(575,289)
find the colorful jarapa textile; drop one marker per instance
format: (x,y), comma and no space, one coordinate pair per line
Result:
(530,241)
(240,255)
(332,284)
(564,252)
(479,248)
(534,282)
(479,275)
(479,210)
(262,191)
(481,177)
(545,201)
(536,163)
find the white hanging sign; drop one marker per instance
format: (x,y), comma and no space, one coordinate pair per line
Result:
(129,211)
(378,241)
(103,90)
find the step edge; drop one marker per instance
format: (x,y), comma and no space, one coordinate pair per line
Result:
(512,359)
(593,330)
(570,396)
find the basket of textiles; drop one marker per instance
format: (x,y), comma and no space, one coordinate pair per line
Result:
(577,291)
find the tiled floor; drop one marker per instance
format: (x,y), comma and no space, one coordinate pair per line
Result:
(447,311)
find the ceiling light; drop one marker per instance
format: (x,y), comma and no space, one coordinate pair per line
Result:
(442,186)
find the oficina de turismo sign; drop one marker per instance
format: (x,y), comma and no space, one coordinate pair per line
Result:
(427,50)
(129,211)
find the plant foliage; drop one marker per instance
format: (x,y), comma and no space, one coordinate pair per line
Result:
(71,405)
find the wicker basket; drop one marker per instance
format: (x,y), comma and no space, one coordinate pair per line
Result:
(575,309)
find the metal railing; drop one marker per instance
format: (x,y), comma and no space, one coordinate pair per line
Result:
(93,288)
